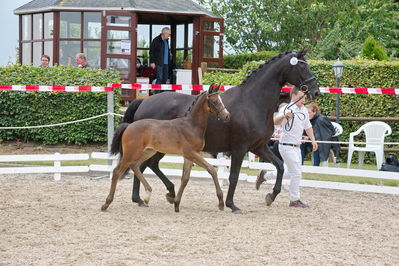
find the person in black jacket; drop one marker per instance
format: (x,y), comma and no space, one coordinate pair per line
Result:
(160,56)
(323,130)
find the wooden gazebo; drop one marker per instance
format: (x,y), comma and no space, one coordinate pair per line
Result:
(116,33)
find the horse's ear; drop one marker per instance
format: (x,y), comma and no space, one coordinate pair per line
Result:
(218,87)
(302,52)
(211,89)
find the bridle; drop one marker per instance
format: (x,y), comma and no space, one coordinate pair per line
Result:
(214,108)
(303,83)
(302,87)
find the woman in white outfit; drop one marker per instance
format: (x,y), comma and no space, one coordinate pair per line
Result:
(293,119)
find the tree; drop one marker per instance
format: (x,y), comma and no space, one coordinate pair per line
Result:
(373,50)
(332,28)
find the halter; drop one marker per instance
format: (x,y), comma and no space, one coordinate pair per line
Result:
(303,84)
(213,107)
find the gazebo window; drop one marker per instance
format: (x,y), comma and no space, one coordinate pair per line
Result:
(143,43)
(37,53)
(92,50)
(70,23)
(73,40)
(38,26)
(26,53)
(211,46)
(68,51)
(48,25)
(26,27)
(92,25)
(118,21)
(48,50)
(182,52)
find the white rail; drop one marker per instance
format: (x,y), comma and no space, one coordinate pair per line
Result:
(222,165)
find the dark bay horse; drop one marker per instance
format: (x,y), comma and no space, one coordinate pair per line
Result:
(139,141)
(251,105)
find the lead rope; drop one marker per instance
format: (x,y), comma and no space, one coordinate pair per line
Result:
(290,122)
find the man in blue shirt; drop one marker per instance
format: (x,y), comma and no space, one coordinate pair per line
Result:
(160,55)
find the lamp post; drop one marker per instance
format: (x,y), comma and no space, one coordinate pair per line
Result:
(338,68)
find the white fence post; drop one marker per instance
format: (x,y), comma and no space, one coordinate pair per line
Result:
(57,165)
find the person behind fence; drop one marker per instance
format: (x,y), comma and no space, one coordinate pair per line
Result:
(81,60)
(160,56)
(323,130)
(44,60)
(294,119)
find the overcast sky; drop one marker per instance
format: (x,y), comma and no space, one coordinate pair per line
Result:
(9,29)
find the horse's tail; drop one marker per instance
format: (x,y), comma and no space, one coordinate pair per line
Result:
(131,110)
(116,146)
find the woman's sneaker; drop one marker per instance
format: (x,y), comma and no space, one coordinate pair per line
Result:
(260,179)
(298,203)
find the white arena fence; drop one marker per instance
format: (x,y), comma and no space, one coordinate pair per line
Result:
(222,165)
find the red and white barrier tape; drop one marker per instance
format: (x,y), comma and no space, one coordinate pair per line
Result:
(54,88)
(173,87)
(223,88)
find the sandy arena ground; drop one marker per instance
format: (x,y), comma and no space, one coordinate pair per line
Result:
(43,222)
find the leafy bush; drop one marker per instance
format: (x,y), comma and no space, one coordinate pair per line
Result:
(43,108)
(357,74)
(237,61)
(372,50)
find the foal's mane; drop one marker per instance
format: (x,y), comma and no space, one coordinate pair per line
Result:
(267,63)
(194,102)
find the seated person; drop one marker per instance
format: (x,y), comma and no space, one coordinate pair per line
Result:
(323,130)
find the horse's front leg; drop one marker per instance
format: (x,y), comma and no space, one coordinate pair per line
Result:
(197,158)
(265,153)
(236,160)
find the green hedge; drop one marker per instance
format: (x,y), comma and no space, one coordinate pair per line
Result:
(359,74)
(43,108)
(237,61)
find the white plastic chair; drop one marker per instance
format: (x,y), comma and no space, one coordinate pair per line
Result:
(375,132)
(338,131)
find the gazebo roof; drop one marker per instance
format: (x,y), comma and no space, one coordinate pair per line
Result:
(157,6)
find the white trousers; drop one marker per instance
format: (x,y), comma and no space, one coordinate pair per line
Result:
(292,169)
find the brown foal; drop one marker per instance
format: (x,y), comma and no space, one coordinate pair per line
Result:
(184,136)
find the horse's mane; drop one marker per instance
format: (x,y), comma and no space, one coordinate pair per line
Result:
(193,103)
(271,60)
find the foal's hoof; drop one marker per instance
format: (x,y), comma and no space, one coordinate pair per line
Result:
(177,207)
(170,198)
(104,207)
(269,199)
(147,197)
(221,206)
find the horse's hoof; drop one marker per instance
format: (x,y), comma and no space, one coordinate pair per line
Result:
(237,211)
(104,207)
(221,206)
(169,198)
(269,199)
(138,201)
(233,208)
(147,197)
(142,204)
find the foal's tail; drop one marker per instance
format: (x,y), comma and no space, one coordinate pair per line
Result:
(116,146)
